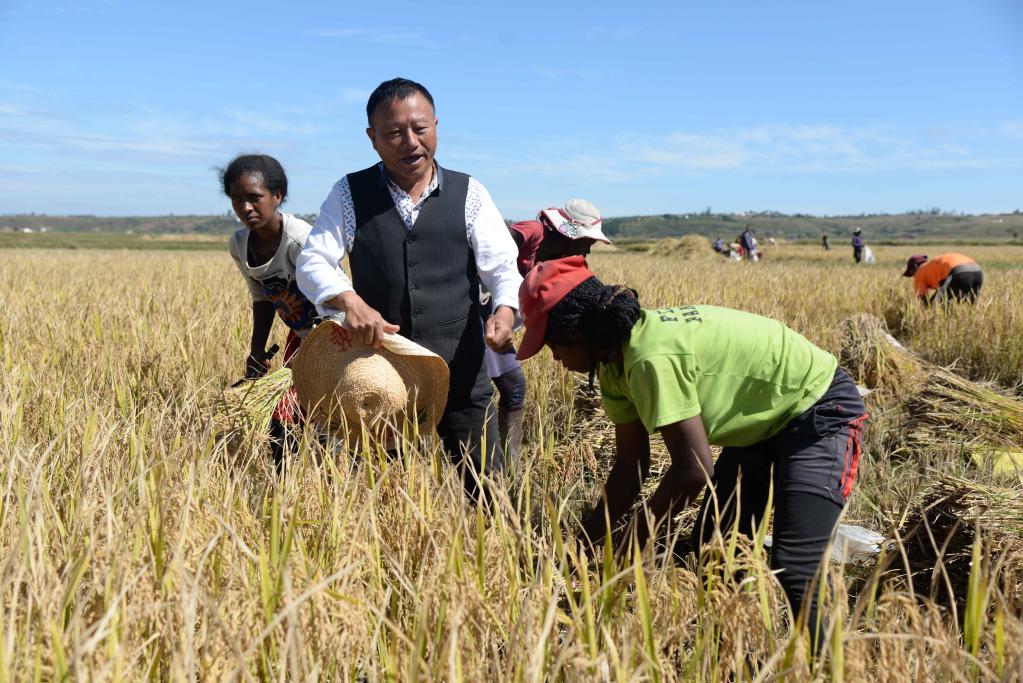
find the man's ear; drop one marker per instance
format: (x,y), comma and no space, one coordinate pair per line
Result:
(371,134)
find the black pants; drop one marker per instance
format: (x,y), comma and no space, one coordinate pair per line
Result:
(961,285)
(461,428)
(812,464)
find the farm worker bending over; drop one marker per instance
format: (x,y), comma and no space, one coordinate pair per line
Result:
(265,251)
(556,233)
(419,239)
(950,275)
(701,375)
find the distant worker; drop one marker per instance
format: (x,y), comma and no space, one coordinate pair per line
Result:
(719,246)
(857,245)
(950,275)
(749,243)
(824,243)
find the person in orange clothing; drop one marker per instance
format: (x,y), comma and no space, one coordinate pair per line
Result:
(950,275)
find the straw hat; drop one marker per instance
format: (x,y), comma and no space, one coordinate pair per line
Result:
(341,385)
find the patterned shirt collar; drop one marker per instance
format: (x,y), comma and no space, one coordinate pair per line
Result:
(436,184)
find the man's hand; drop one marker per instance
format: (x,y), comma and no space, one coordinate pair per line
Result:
(499,328)
(365,324)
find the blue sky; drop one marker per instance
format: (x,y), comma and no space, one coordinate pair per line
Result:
(115,108)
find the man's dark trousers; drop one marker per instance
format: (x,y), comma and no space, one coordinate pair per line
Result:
(425,281)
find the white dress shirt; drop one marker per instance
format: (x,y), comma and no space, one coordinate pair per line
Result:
(321,278)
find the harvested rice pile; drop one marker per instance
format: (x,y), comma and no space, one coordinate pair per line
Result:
(937,405)
(686,248)
(940,533)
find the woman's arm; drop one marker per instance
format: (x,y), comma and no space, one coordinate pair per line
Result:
(690,470)
(631,467)
(262,321)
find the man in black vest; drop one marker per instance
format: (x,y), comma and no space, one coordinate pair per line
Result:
(419,239)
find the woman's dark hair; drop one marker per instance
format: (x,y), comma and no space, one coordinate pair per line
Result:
(395,89)
(262,165)
(599,315)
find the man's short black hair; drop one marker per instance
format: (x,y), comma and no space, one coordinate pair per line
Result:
(392,90)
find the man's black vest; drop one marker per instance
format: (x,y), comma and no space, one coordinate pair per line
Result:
(423,279)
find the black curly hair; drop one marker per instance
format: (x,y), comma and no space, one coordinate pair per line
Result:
(262,165)
(597,315)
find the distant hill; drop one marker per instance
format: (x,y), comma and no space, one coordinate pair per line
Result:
(917,225)
(223,224)
(905,226)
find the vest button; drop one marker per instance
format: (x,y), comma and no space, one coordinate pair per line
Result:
(413,263)
(417,337)
(412,288)
(418,312)
(410,239)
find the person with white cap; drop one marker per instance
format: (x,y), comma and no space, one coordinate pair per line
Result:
(571,230)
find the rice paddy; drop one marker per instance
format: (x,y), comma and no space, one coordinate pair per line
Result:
(140,537)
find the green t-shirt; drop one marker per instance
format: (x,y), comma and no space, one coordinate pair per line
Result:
(747,376)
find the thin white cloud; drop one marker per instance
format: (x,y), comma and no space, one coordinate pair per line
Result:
(376,36)
(820,147)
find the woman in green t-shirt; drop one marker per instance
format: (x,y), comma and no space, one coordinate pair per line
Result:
(700,375)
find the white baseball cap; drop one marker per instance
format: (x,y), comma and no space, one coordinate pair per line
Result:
(577,219)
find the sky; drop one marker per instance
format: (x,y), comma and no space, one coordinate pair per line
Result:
(111,107)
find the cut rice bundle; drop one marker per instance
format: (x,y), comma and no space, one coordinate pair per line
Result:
(248,408)
(938,407)
(878,361)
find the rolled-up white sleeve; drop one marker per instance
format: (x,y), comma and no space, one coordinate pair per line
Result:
(319,272)
(493,246)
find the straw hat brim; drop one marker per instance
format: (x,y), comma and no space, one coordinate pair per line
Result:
(341,385)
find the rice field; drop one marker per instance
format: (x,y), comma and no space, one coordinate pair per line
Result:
(138,541)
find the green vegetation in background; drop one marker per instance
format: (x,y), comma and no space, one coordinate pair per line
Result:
(916,225)
(930,224)
(107,240)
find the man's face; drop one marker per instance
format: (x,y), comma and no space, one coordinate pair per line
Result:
(404,134)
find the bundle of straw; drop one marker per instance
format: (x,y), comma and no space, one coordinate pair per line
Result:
(939,535)
(979,413)
(248,408)
(686,248)
(938,406)
(878,361)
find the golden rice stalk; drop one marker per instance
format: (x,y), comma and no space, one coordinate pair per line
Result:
(249,407)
